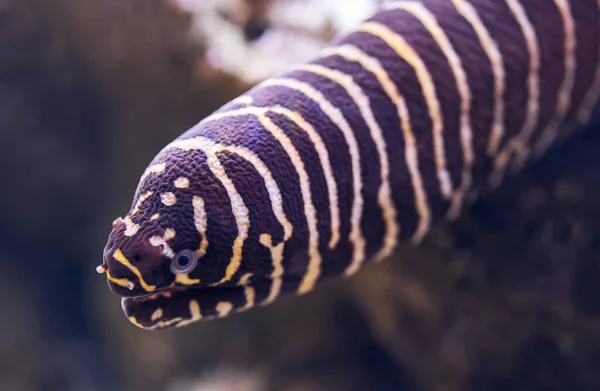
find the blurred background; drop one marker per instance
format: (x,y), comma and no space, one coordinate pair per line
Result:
(506,298)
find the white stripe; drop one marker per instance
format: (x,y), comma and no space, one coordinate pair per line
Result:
(314,264)
(243,100)
(168,198)
(519,141)
(195,315)
(466,134)
(353,53)
(563,103)
(224,308)
(493,53)
(404,50)
(270,184)
(130,228)
(238,207)
(153,169)
(162,240)
(201,223)
(276,283)
(276,254)
(384,196)
(336,116)
(332,189)
(245,279)
(140,201)
(272,188)
(314,261)
(156,315)
(249,294)
(591,98)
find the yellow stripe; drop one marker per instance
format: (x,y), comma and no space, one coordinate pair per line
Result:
(314,262)
(153,169)
(276,283)
(245,279)
(156,314)
(141,200)
(224,308)
(181,183)
(200,221)
(276,204)
(133,320)
(384,196)
(162,241)
(195,310)
(276,254)
(337,118)
(493,53)
(157,325)
(332,189)
(406,52)
(430,22)
(118,255)
(564,97)
(195,315)
(184,279)
(118,281)
(520,141)
(270,183)
(353,53)
(238,207)
(250,295)
(130,228)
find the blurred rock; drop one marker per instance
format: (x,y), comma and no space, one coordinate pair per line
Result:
(503,298)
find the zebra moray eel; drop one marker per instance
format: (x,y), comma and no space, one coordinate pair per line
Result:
(390,129)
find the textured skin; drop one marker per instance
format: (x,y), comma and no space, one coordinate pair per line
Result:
(390,130)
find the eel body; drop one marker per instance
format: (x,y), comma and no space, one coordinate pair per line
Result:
(390,129)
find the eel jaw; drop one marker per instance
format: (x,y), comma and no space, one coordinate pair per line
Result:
(159,293)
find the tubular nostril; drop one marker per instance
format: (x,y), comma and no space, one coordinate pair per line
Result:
(100,269)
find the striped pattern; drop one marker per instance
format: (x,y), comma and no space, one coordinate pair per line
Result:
(389,130)
(591,98)
(520,141)
(563,102)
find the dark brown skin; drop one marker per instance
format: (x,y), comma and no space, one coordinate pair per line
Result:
(241,209)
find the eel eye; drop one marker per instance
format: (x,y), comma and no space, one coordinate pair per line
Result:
(184,262)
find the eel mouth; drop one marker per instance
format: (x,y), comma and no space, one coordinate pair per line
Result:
(178,306)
